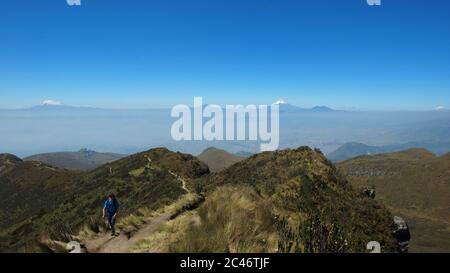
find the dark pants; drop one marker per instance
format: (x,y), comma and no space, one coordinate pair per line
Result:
(112,221)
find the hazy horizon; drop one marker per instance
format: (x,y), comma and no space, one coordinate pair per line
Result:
(58,103)
(54,129)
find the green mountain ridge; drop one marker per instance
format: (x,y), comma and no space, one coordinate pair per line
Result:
(28,188)
(60,201)
(312,207)
(293,199)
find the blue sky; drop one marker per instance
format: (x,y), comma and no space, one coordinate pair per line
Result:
(129,53)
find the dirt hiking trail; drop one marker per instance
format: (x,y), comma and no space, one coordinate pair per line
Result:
(105,243)
(124,243)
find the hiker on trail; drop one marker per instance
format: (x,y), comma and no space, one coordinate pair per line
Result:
(402,234)
(110,210)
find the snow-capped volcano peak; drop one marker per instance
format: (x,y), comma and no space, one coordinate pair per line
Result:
(52,102)
(280,101)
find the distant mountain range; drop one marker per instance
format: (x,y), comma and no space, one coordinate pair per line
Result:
(126,131)
(354,149)
(218,159)
(49,105)
(286,107)
(83,159)
(414,184)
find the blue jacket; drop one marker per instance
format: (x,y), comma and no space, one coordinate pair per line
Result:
(111,206)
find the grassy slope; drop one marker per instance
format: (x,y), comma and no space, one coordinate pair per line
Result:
(141,180)
(415,184)
(28,189)
(286,201)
